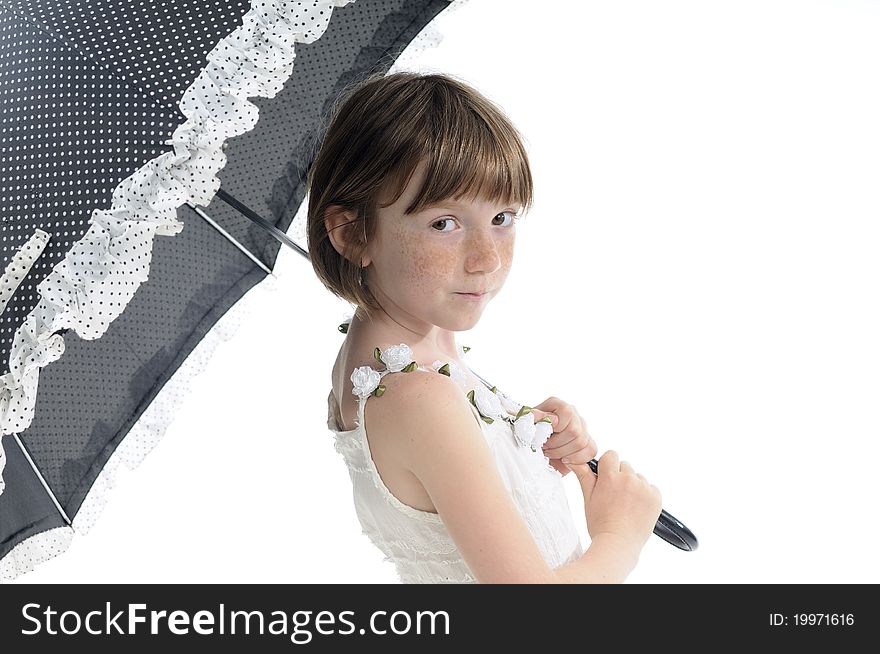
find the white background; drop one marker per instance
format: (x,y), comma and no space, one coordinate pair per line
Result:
(698,277)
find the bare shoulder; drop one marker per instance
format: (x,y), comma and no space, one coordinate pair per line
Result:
(416,409)
(427,420)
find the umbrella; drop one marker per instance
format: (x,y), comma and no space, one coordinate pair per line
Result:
(117,119)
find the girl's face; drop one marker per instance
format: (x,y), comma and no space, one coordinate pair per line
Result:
(422,265)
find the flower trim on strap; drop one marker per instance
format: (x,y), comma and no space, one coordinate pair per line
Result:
(494,405)
(490,403)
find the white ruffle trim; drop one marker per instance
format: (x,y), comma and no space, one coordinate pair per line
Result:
(97,278)
(37,549)
(16,270)
(144,205)
(140,440)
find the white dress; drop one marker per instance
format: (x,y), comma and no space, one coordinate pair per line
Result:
(417,541)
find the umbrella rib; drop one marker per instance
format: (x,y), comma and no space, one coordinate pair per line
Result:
(43,481)
(229,237)
(260,221)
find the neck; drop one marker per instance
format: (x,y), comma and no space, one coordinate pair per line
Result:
(426,341)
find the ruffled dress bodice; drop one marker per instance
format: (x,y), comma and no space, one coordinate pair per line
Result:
(417,541)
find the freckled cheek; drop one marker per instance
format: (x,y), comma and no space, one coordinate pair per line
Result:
(425,268)
(433,271)
(505,253)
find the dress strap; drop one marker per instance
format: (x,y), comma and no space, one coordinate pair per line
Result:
(367,380)
(488,405)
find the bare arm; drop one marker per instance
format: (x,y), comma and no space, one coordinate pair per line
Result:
(608,560)
(433,433)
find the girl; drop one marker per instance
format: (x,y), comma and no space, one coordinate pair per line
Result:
(414,196)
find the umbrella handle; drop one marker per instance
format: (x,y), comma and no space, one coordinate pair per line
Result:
(668,527)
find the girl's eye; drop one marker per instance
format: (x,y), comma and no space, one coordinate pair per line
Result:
(442,220)
(512,215)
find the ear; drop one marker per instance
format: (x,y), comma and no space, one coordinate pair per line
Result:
(336,219)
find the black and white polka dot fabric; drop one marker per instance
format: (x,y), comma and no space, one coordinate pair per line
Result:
(117,118)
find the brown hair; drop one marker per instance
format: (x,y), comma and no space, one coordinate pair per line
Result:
(380,129)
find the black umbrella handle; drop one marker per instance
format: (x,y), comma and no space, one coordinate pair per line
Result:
(668,527)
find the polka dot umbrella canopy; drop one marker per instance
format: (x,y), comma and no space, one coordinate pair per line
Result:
(133,218)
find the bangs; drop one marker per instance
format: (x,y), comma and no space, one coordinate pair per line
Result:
(469,155)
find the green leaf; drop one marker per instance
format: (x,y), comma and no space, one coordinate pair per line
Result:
(412,365)
(471,398)
(487,419)
(377,354)
(465,348)
(494,389)
(533,448)
(546,419)
(344,328)
(523,411)
(380,390)
(444,370)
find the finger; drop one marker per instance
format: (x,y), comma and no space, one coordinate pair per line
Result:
(585,476)
(559,466)
(610,461)
(550,404)
(568,448)
(581,456)
(567,440)
(540,415)
(558,411)
(592,448)
(558,445)
(555,421)
(574,451)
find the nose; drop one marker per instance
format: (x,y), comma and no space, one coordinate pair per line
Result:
(482,252)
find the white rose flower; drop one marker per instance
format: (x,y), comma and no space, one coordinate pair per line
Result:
(457,374)
(511,406)
(397,357)
(524,429)
(542,433)
(365,380)
(531,433)
(454,371)
(487,402)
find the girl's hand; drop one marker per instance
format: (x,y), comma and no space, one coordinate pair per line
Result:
(569,439)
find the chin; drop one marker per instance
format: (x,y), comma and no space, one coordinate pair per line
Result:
(460,322)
